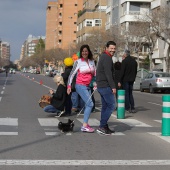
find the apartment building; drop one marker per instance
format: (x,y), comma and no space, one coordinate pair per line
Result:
(91,17)
(112,13)
(4,50)
(61,23)
(161,48)
(28,47)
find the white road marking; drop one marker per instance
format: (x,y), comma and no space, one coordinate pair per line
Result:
(0,98)
(52,133)
(2,92)
(16,162)
(9,121)
(159,121)
(165,138)
(131,122)
(155,104)
(8,133)
(48,121)
(3,88)
(134,123)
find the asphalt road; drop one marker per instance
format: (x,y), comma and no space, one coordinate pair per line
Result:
(29,138)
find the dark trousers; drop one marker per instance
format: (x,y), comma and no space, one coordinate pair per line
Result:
(68,104)
(108,104)
(129,100)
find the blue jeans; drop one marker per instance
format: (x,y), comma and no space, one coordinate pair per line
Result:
(129,100)
(76,100)
(51,109)
(108,104)
(85,94)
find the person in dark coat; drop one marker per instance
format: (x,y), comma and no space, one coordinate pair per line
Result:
(68,67)
(58,97)
(127,78)
(117,71)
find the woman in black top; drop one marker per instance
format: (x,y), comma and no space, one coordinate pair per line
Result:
(58,97)
(68,67)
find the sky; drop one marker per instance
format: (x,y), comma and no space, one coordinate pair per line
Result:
(19,19)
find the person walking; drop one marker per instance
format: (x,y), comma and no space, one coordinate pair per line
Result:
(127,78)
(106,87)
(85,69)
(6,71)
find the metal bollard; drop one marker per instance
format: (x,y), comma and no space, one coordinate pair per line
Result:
(121,104)
(166,115)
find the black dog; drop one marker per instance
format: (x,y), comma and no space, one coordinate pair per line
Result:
(66,127)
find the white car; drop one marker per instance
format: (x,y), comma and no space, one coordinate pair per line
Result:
(12,71)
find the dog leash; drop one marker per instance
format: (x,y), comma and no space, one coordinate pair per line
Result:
(84,106)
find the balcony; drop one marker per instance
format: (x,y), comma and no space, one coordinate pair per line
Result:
(108,9)
(129,16)
(123,1)
(155,4)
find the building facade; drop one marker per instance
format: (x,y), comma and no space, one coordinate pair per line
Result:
(61,23)
(4,50)
(161,49)
(92,17)
(29,46)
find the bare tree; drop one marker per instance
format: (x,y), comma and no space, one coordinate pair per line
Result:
(159,28)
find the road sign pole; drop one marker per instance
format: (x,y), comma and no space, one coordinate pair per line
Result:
(166,115)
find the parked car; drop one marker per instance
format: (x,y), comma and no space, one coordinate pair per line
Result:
(155,81)
(47,73)
(55,72)
(51,73)
(12,71)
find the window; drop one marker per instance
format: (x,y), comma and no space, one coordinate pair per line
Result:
(75,4)
(150,75)
(60,14)
(75,22)
(60,23)
(89,23)
(60,32)
(97,22)
(61,5)
(59,41)
(75,32)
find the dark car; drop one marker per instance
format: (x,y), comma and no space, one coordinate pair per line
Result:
(37,72)
(51,73)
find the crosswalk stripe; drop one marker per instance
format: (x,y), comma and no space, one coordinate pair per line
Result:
(165,138)
(8,133)
(9,121)
(48,121)
(134,123)
(159,121)
(52,133)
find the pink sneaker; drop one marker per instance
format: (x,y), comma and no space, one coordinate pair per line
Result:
(87,129)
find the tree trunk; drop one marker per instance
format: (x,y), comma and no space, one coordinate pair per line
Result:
(150,61)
